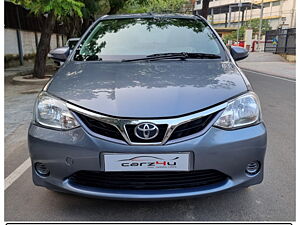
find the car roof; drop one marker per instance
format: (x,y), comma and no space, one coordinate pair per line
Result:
(149,15)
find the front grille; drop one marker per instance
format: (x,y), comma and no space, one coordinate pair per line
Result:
(147,180)
(181,131)
(101,128)
(192,127)
(133,138)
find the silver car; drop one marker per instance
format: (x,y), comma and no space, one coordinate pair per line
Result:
(146,107)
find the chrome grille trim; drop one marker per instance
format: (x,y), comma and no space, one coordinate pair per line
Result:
(120,123)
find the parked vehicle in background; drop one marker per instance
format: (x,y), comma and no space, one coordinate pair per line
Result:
(148,106)
(59,55)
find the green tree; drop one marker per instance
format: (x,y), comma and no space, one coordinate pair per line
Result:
(116,5)
(233,35)
(54,10)
(253,24)
(156,6)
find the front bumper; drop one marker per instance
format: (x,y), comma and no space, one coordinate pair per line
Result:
(67,152)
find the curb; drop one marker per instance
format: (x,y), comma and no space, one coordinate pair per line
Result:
(25,80)
(269,74)
(21,73)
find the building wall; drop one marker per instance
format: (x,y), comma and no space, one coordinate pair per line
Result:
(274,10)
(10,42)
(28,41)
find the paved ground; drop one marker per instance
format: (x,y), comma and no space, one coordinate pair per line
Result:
(269,63)
(273,200)
(21,70)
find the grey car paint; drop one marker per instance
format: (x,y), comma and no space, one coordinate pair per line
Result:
(120,89)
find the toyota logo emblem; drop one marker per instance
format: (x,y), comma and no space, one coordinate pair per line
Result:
(146,131)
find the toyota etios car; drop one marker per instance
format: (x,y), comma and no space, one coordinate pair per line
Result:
(148,106)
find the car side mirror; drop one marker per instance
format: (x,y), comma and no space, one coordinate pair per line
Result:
(59,55)
(238,53)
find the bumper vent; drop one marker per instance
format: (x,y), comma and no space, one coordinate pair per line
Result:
(147,180)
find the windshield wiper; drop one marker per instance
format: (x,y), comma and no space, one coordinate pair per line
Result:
(180,55)
(188,55)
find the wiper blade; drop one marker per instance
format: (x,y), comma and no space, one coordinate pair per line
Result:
(180,55)
(153,58)
(188,55)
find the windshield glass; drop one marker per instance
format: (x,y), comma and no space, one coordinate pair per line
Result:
(125,38)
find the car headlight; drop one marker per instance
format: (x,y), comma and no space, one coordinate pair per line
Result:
(240,112)
(52,112)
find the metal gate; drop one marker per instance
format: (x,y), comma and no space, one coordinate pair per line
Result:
(281,41)
(270,41)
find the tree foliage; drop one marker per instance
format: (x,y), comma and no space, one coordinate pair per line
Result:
(60,8)
(156,6)
(253,24)
(55,10)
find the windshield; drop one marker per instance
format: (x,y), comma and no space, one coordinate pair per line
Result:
(128,38)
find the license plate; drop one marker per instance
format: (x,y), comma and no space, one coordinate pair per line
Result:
(147,162)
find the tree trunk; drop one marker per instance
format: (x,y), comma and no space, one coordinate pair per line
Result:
(44,46)
(205,7)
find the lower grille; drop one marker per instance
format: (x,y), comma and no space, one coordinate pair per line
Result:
(147,180)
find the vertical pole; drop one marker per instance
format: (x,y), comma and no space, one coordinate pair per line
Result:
(243,15)
(286,40)
(19,38)
(21,56)
(260,23)
(238,30)
(251,9)
(212,16)
(280,13)
(226,19)
(57,41)
(36,40)
(229,19)
(293,21)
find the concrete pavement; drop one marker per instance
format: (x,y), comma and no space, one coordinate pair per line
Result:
(18,70)
(273,200)
(269,63)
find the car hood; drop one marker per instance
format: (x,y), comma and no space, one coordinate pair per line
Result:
(147,89)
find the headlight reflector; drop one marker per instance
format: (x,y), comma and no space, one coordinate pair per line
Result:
(240,112)
(52,112)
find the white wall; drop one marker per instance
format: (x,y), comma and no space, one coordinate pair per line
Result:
(28,42)
(11,43)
